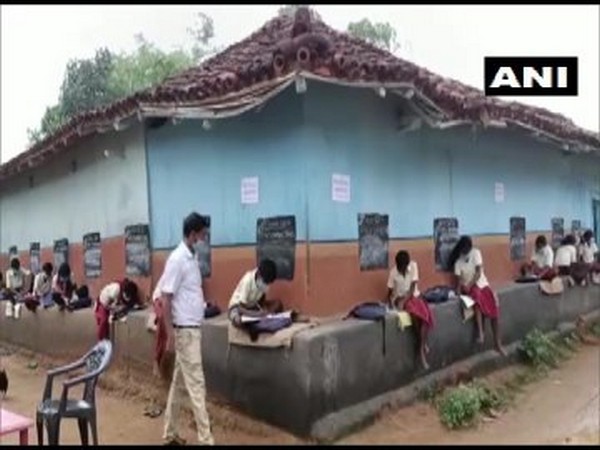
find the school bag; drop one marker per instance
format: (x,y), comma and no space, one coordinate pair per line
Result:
(374,311)
(438,294)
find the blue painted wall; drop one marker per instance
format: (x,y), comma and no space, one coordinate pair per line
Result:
(296,142)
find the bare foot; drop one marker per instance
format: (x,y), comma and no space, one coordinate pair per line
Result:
(424,362)
(480,339)
(426,349)
(501,350)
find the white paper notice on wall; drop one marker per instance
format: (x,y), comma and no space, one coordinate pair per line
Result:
(340,188)
(249,190)
(499,193)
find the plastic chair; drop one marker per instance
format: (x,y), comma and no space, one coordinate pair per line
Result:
(51,411)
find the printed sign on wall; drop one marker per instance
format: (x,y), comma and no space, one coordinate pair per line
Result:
(137,250)
(61,252)
(92,255)
(250,191)
(35,255)
(518,238)
(276,240)
(373,241)
(13,252)
(445,237)
(340,188)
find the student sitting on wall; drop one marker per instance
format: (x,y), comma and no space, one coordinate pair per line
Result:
(403,294)
(42,289)
(542,261)
(115,298)
(63,287)
(249,297)
(566,261)
(470,280)
(15,288)
(589,254)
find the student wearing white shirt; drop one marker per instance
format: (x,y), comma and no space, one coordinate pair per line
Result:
(542,260)
(403,294)
(15,288)
(250,295)
(42,289)
(183,309)
(471,280)
(118,296)
(589,253)
(566,256)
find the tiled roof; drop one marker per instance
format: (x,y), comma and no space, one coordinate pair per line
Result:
(287,44)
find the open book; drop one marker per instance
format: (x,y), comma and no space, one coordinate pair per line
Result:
(282,315)
(467,303)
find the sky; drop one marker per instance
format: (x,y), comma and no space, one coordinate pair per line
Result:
(38,41)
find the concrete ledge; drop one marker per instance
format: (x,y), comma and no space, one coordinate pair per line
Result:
(337,375)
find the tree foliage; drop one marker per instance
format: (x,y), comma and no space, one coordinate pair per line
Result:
(381,34)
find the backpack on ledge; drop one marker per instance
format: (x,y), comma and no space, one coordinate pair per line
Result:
(374,311)
(438,294)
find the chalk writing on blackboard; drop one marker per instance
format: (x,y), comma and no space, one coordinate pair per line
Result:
(35,264)
(276,240)
(518,238)
(137,250)
(13,252)
(204,253)
(61,252)
(92,256)
(558,231)
(373,241)
(445,237)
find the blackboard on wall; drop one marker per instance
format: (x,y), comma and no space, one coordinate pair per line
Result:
(35,251)
(576,228)
(204,253)
(276,240)
(92,255)
(137,250)
(61,252)
(558,231)
(445,237)
(373,241)
(518,238)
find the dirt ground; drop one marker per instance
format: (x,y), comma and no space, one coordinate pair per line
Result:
(561,408)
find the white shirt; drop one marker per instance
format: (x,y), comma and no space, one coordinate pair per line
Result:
(15,279)
(565,255)
(183,280)
(465,266)
(588,252)
(110,294)
(247,293)
(42,284)
(400,284)
(543,257)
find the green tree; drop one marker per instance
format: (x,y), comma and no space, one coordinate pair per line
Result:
(381,34)
(106,77)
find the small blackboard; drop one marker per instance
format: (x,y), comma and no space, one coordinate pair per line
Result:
(92,255)
(518,238)
(137,250)
(35,255)
(13,252)
(576,227)
(373,241)
(558,231)
(276,240)
(445,237)
(61,252)
(204,259)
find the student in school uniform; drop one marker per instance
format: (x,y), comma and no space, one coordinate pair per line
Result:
(15,288)
(42,289)
(467,262)
(403,294)
(63,287)
(589,253)
(542,260)
(566,261)
(119,294)
(250,295)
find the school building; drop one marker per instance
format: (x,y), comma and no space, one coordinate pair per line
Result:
(301,120)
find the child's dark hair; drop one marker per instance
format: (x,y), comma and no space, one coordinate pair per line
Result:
(402,261)
(569,240)
(15,264)
(47,268)
(130,289)
(588,235)
(267,270)
(541,241)
(462,247)
(64,270)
